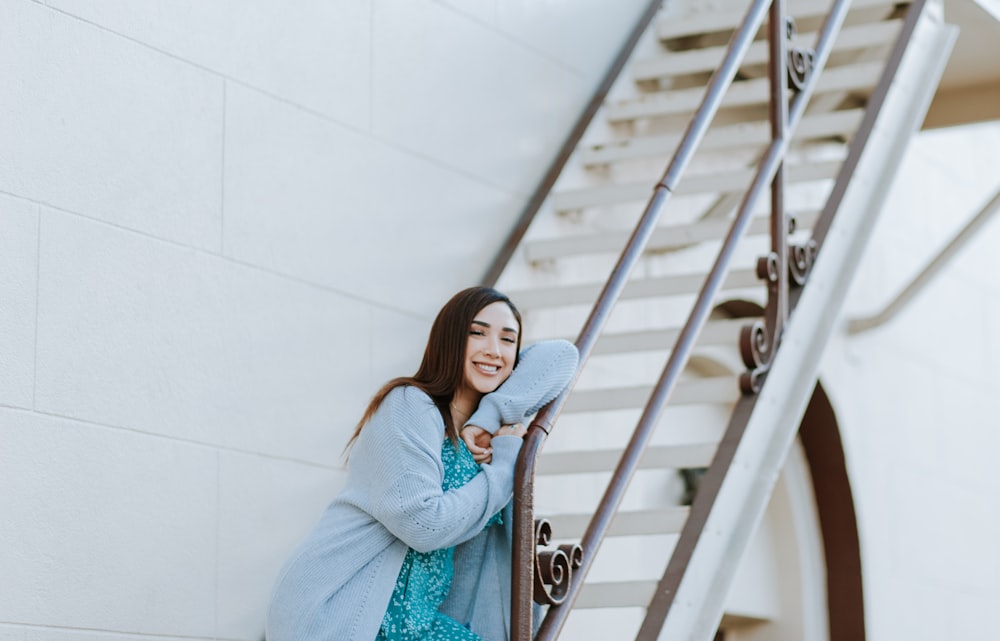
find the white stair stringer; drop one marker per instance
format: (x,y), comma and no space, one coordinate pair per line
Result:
(699,602)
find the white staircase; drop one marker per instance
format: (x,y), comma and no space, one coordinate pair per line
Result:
(560,266)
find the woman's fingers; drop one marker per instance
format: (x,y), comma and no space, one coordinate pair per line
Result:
(477,440)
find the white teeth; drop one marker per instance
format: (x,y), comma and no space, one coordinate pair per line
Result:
(488,368)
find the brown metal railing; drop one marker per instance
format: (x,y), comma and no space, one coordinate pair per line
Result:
(712,481)
(555,577)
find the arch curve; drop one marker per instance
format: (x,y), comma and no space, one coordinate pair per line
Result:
(824,451)
(822,446)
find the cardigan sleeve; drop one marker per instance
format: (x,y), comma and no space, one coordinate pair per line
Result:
(404,476)
(543,371)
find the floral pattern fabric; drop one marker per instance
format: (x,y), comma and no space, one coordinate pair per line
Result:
(425,577)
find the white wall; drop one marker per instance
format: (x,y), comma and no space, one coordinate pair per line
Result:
(223,225)
(916,399)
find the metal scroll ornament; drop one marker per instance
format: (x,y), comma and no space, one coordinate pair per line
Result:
(755,347)
(758,340)
(553,568)
(800,260)
(755,339)
(800,59)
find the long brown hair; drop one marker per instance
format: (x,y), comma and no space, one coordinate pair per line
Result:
(441,371)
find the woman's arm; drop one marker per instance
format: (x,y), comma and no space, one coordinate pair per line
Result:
(398,456)
(543,371)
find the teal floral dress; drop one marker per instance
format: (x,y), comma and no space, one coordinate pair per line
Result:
(425,577)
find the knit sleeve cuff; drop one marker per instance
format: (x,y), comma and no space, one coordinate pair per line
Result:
(544,370)
(487,416)
(505,450)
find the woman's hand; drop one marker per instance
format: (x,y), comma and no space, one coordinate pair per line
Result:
(478,441)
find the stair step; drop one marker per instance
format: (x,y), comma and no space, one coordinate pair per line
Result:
(692,455)
(747,92)
(717,332)
(635,523)
(674,25)
(736,180)
(662,239)
(615,594)
(559,295)
(746,134)
(708,59)
(715,389)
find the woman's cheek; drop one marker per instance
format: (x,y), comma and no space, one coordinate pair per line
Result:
(504,380)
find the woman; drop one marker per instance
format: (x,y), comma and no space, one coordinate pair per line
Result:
(431,466)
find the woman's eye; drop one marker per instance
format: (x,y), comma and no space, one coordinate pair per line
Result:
(477,332)
(509,340)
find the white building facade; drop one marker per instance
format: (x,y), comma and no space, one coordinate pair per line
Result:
(223,225)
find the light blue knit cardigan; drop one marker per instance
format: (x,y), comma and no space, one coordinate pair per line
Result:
(337,584)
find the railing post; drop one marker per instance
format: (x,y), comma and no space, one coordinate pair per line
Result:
(523,541)
(780,31)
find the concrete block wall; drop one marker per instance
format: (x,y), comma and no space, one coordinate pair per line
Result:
(916,399)
(222,225)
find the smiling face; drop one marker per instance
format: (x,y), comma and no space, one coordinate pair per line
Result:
(491,349)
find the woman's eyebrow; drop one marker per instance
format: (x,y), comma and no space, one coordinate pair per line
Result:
(487,325)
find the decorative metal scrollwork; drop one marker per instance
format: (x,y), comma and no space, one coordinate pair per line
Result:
(800,60)
(767,267)
(553,567)
(800,260)
(755,345)
(751,381)
(756,349)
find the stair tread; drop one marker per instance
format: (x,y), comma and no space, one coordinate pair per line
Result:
(743,93)
(688,455)
(663,238)
(744,134)
(713,389)
(586,293)
(721,182)
(615,594)
(708,59)
(675,25)
(668,520)
(716,332)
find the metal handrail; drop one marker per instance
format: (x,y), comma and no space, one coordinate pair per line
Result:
(919,282)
